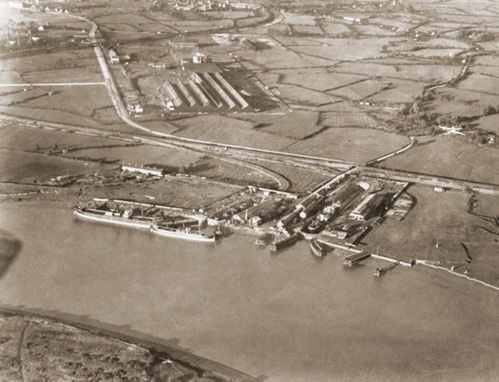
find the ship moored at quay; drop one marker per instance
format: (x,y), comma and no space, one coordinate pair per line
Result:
(149,219)
(183,233)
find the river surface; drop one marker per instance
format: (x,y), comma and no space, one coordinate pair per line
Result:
(288,316)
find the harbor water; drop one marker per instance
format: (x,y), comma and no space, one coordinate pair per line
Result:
(289,316)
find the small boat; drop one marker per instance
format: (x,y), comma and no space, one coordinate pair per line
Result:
(265,239)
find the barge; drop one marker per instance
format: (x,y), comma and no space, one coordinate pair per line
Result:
(283,243)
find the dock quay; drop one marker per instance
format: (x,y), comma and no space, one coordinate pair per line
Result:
(355,258)
(389,259)
(380,271)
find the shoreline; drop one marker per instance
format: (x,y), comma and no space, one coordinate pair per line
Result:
(251,232)
(202,365)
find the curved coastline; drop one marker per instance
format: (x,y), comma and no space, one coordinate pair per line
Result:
(203,366)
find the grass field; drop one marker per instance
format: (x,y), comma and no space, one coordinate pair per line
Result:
(360,90)
(63,75)
(347,120)
(458,102)
(26,167)
(296,125)
(335,28)
(401,91)
(16,137)
(297,19)
(307,29)
(452,157)
(436,217)
(46,115)
(489,123)
(319,79)
(81,100)
(69,58)
(141,155)
(350,144)
(480,83)
(346,50)
(302,95)
(232,134)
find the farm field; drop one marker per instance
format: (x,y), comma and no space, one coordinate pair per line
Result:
(452,157)
(23,167)
(360,90)
(480,83)
(488,123)
(18,137)
(334,28)
(400,91)
(229,130)
(68,58)
(295,125)
(81,100)
(346,50)
(47,115)
(347,120)
(303,95)
(63,75)
(456,102)
(350,144)
(319,79)
(438,217)
(141,155)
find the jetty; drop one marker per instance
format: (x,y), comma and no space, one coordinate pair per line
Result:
(380,271)
(355,258)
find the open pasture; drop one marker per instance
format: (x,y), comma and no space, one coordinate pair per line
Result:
(81,100)
(319,79)
(400,91)
(18,96)
(334,28)
(348,120)
(452,157)
(70,58)
(458,102)
(488,123)
(307,30)
(26,167)
(480,83)
(367,69)
(359,90)
(305,96)
(436,217)
(373,30)
(141,155)
(47,115)
(350,144)
(296,125)
(22,138)
(346,49)
(230,131)
(297,19)
(63,76)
